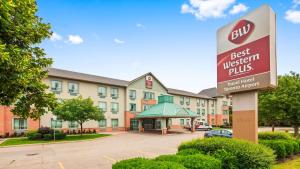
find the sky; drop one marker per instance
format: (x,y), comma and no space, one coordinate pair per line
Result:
(173,39)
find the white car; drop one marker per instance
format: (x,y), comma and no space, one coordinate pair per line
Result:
(203,126)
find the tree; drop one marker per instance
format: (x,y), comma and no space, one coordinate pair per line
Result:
(79,110)
(269,110)
(22,63)
(282,104)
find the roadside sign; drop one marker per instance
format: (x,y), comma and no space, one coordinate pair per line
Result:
(246,53)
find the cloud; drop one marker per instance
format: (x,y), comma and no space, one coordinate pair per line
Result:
(139,25)
(238,9)
(203,9)
(75,39)
(55,37)
(293,16)
(118,41)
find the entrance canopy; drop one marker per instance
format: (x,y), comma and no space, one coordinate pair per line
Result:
(166,109)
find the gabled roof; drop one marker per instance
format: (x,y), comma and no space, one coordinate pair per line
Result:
(186,93)
(53,72)
(151,74)
(211,92)
(170,110)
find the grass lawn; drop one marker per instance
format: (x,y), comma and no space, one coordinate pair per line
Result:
(24,140)
(292,164)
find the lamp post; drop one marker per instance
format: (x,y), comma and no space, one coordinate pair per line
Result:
(54,118)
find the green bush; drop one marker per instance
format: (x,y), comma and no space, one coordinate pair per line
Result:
(189,152)
(60,136)
(33,135)
(277,146)
(248,155)
(274,136)
(48,137)
(289,147)
(197,161)
(229,160)
(141,163)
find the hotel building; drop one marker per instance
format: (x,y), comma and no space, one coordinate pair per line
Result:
(120,100)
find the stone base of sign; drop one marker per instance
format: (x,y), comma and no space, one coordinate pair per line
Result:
(245,116)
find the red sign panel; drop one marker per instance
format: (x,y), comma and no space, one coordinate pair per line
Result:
(250,59)
(149,82)
(241,31)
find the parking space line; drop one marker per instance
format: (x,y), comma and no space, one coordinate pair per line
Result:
(109,158)
(61,166)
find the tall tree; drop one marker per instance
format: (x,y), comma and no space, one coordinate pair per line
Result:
(79,110)
(282,104)
(22,63)
(269,109)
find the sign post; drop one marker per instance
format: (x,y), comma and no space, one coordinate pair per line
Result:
(246,63)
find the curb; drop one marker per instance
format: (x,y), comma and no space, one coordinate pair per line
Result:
(60,142)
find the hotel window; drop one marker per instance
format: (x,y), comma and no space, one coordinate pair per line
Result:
(225,103)
(213,121)
(132,94)
(198,102)
(181,100)
(103,106)
(149,96)
(132,107)
(20,124)
(73,89)
(114,123)
(102,123)
(203,103)
(213,104)
(114,107)
(73,124)
(102,92)
(203,112)
(212,111)
(56,86)
(188,101)
(114,93)
(198,111)
(146,106)
(182,122)
(225,112)
(56,123)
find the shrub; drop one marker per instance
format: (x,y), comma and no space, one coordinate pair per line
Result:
(229,160)
(197,161)
(60,136)
(47,137)
(45,130)
(141,163)
(34,135)
(289,147)
(274,136)
(189,152)
(277,146)
(248,155)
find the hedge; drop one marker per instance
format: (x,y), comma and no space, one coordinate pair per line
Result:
(34,135)
(282,148)
(229,160)
(274,136)
(141,163)
(277,146)
(197,161)
(246,154)
(189,152)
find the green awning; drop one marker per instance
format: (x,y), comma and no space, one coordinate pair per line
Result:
(169,110)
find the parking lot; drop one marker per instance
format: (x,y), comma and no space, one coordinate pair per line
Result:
(95,154)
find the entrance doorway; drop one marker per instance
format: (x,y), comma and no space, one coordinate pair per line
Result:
(134,124)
